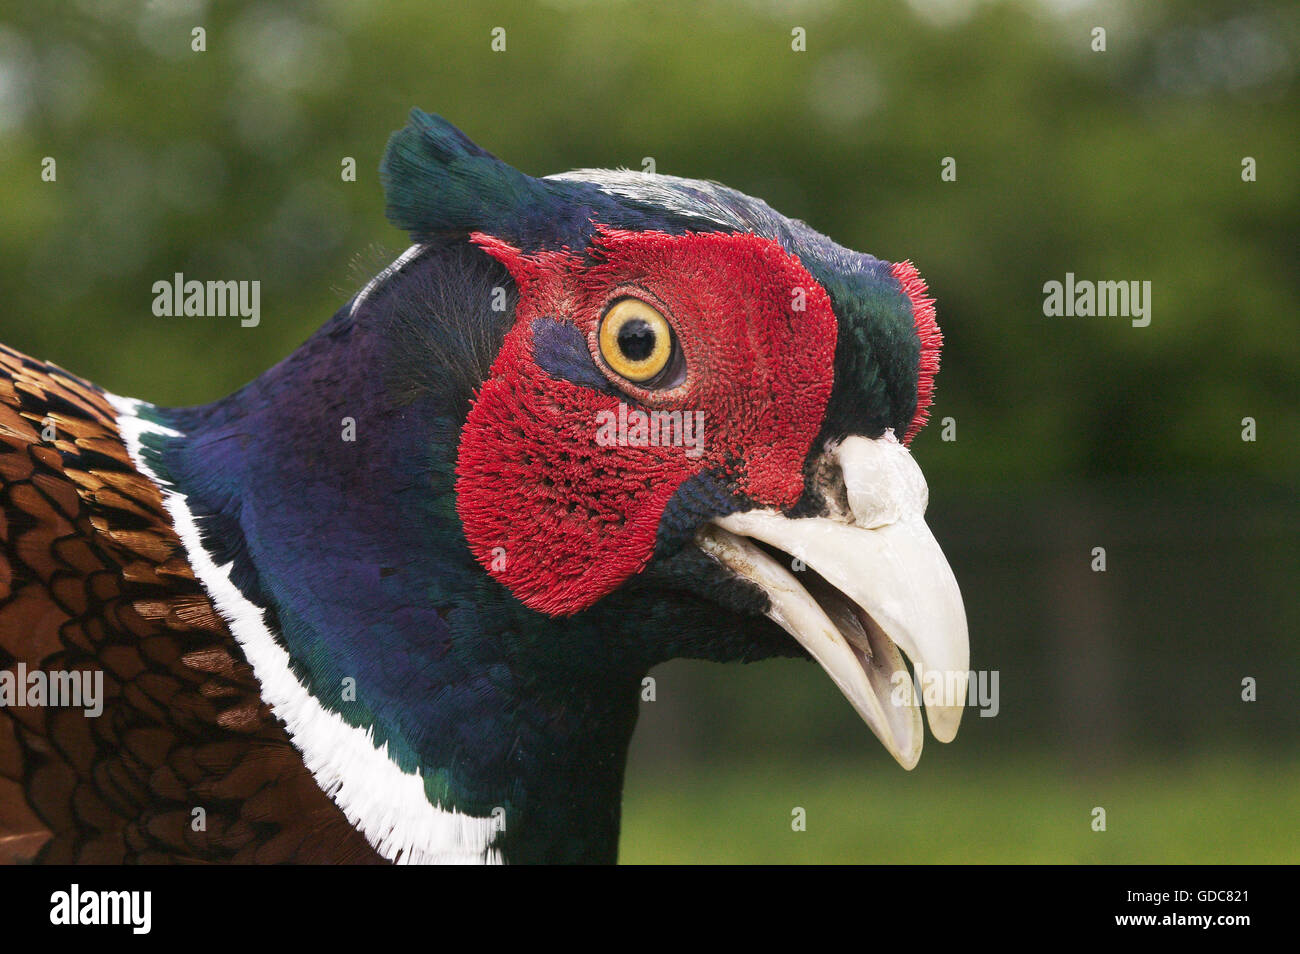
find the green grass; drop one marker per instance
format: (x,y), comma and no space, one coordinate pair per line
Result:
(1206,810)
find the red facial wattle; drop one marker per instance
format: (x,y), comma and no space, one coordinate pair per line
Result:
(927,330)
(562,520)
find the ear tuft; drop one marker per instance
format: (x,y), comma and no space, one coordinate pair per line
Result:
(437,181)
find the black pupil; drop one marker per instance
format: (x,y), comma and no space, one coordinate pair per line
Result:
(636,339)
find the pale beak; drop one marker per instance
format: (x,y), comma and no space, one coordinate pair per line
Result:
(859,583)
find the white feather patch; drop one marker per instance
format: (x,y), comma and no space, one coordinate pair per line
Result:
(387,805)
(383,276)
(695,197)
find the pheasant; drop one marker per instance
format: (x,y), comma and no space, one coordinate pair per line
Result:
(395,599)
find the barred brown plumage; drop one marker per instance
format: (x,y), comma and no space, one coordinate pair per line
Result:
(94,578)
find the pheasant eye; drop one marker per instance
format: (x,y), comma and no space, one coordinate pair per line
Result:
(636,341)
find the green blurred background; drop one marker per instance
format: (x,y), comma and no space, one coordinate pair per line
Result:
(1120,689)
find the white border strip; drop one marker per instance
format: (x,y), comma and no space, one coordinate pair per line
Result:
(389,806)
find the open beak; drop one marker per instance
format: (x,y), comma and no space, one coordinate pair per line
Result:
(860,583)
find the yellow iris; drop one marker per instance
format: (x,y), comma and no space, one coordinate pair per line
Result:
(635,340)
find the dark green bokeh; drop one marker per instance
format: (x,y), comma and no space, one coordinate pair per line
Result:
(1120,689)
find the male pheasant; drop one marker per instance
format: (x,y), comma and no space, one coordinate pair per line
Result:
(394,600)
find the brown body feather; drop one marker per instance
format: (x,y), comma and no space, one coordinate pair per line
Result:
(93,577)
